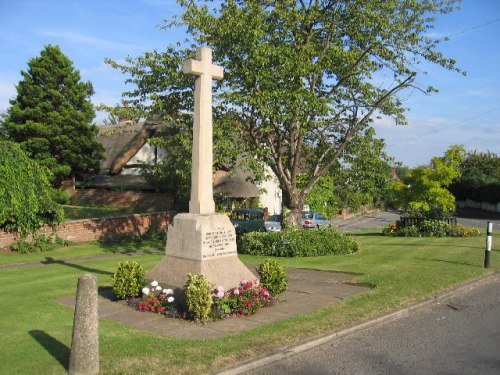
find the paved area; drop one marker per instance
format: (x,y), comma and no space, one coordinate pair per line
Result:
(308,290)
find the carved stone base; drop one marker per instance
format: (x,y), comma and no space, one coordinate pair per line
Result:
(201,244)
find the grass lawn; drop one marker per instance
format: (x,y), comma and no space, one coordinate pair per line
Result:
(36,331)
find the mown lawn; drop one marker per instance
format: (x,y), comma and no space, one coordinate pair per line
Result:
(36,330)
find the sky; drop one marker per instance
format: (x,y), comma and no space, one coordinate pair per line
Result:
(466,110)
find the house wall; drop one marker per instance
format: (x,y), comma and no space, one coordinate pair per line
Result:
(146,155)
(102,229)
(271,197)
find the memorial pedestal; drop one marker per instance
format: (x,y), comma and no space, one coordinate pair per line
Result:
(201,244)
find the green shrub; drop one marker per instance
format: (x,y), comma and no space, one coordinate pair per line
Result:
(433,228)
(297,243)
(38,243)
(199,297)
(128,279)
(430,228)
(272,277)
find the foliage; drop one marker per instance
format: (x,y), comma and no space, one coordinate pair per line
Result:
(299,76)
(322,198)
(246,299)
(480,178)
(25,193)
(272,277)
(297,243)
(199,297)
(128,280)
(423,189)
(51,115)
(364,177)
(430,228)
(38,243)
(157,300)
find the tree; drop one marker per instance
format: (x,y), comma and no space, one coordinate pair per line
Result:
(423,191)
(25,192)
(51,117)
(302,78)
(364,176)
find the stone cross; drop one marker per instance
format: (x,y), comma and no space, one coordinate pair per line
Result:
(202,200)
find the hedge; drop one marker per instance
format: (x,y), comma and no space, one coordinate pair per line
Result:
(297,243)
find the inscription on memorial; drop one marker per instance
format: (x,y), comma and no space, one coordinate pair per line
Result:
(218,243)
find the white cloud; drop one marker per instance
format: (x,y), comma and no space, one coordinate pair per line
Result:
(82,39)
(7,92)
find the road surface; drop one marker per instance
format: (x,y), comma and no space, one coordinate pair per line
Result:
(456,336)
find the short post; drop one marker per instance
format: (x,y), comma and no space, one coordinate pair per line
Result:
(84,356)
(487,252)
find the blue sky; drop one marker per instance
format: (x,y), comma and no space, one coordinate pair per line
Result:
(465,111)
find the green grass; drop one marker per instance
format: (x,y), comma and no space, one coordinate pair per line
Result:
(94,212)
(36,331)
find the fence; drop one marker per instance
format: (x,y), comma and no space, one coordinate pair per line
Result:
(416,221)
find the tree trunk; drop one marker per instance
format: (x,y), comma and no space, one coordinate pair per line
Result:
(292,204)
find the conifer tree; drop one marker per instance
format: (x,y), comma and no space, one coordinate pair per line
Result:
(51,117)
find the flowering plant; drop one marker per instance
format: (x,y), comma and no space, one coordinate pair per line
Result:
(245,299)
(155,299)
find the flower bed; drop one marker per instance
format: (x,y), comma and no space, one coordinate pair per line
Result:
(245,299)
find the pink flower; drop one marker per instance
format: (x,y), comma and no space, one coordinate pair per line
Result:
(236,291)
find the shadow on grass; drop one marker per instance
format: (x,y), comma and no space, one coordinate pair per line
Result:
(129,245)
(50,260)
(53,346)
(452,262)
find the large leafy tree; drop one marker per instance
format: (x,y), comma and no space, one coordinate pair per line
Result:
(423,191)
(51,117)
(302,78)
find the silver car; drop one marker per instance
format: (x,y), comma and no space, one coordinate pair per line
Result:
(273,223)
(311,219)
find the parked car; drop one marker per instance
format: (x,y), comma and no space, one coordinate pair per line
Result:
(273,223)
(311,219)
(248,220)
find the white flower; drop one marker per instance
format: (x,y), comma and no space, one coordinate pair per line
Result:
(170,299)
(164,291)
(154,283)
(236,291)
(145,290)
(168,291)
(158,287)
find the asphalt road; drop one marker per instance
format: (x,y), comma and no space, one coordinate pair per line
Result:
(467,218)
(456,336)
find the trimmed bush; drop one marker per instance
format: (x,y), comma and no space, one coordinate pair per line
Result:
(431,228)
(297,243)
(128,279)
(272,277)
(199,297)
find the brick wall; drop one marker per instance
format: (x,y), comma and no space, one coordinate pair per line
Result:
(106,228)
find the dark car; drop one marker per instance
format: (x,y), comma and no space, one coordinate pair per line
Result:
(248,220)
(311,219)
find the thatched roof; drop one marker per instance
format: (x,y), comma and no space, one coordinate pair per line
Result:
(234,185)
(122,141)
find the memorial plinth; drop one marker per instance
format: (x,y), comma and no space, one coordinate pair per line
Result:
(201,244)
(201,241)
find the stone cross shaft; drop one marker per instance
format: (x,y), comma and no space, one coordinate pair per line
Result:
(202,200)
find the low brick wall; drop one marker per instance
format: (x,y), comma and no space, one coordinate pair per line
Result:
(103,229)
